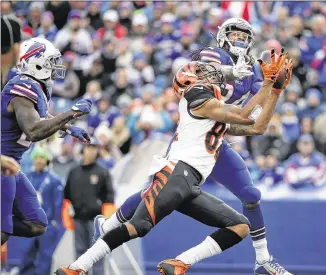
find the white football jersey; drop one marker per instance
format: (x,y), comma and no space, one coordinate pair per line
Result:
(198,140)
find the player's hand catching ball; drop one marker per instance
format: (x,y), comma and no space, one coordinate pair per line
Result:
(284,77)
(271,70)
(82,107)
(9,166)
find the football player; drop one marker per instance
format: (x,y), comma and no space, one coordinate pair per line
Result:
(235,38)
(25,119)
(175,184)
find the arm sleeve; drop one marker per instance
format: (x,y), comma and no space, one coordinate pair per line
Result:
(198,96)
(210,55)
(24,90)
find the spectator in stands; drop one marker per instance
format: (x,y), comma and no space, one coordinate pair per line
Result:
(94,15)
(120,87)
(89,191)
(307,168)
(273,139)
(148,119)
(38,251)
(105,113)
(257,168)
(311,44)
(290,121)
(285,39)
(273,172)
(155,25)
(138,32)
(72,37)
(124,58)
(121,135)
(66,159)
(35,14)
(60,10)
(109,55)
(69,86)
(299,69)
(320,132)
(112,27)
(108,155)
(125,14)
(93,91)
(140,73)
(47,29)
(296,26)
(314,107)
(186,45)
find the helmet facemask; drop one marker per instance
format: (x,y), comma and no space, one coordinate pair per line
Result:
(235,36)
(210,74)
(55,64)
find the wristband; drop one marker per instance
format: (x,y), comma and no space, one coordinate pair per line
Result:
(276,91)
(255,113)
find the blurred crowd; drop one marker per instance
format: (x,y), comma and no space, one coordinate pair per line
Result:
(122,55)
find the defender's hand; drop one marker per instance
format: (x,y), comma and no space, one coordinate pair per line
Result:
(79,133)
(272,70)
(242,69)
(82,107)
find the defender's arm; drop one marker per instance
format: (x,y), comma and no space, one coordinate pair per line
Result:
(31,123)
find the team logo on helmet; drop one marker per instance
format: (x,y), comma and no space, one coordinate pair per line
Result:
(36,50)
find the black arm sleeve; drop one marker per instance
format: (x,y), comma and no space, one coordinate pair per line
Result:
(198,96)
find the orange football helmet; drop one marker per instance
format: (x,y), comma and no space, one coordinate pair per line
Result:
(196,72)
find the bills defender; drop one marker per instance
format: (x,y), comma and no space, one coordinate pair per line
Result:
(176,178)
(25,119)
(235,38)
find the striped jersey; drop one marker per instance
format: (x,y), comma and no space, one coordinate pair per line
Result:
(197,140)
(237,92)
(13,141)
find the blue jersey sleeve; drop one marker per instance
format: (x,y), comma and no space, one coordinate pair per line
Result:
(211,54)
(26,87)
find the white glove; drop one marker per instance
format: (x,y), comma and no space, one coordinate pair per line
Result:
(241,69)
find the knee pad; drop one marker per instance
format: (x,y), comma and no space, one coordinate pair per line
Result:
(250,197)
(142,226)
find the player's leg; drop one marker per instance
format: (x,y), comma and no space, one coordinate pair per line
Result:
(236,177)
(8,190)
(29,218)
(211,211)
(168,190)
(47,245)
(29,254)
(103,225)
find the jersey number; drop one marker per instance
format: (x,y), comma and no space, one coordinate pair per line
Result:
(214,138)
(23,140)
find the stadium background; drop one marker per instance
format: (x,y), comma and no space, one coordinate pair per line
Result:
(123,54)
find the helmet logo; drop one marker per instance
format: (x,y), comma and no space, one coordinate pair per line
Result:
(36,50)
